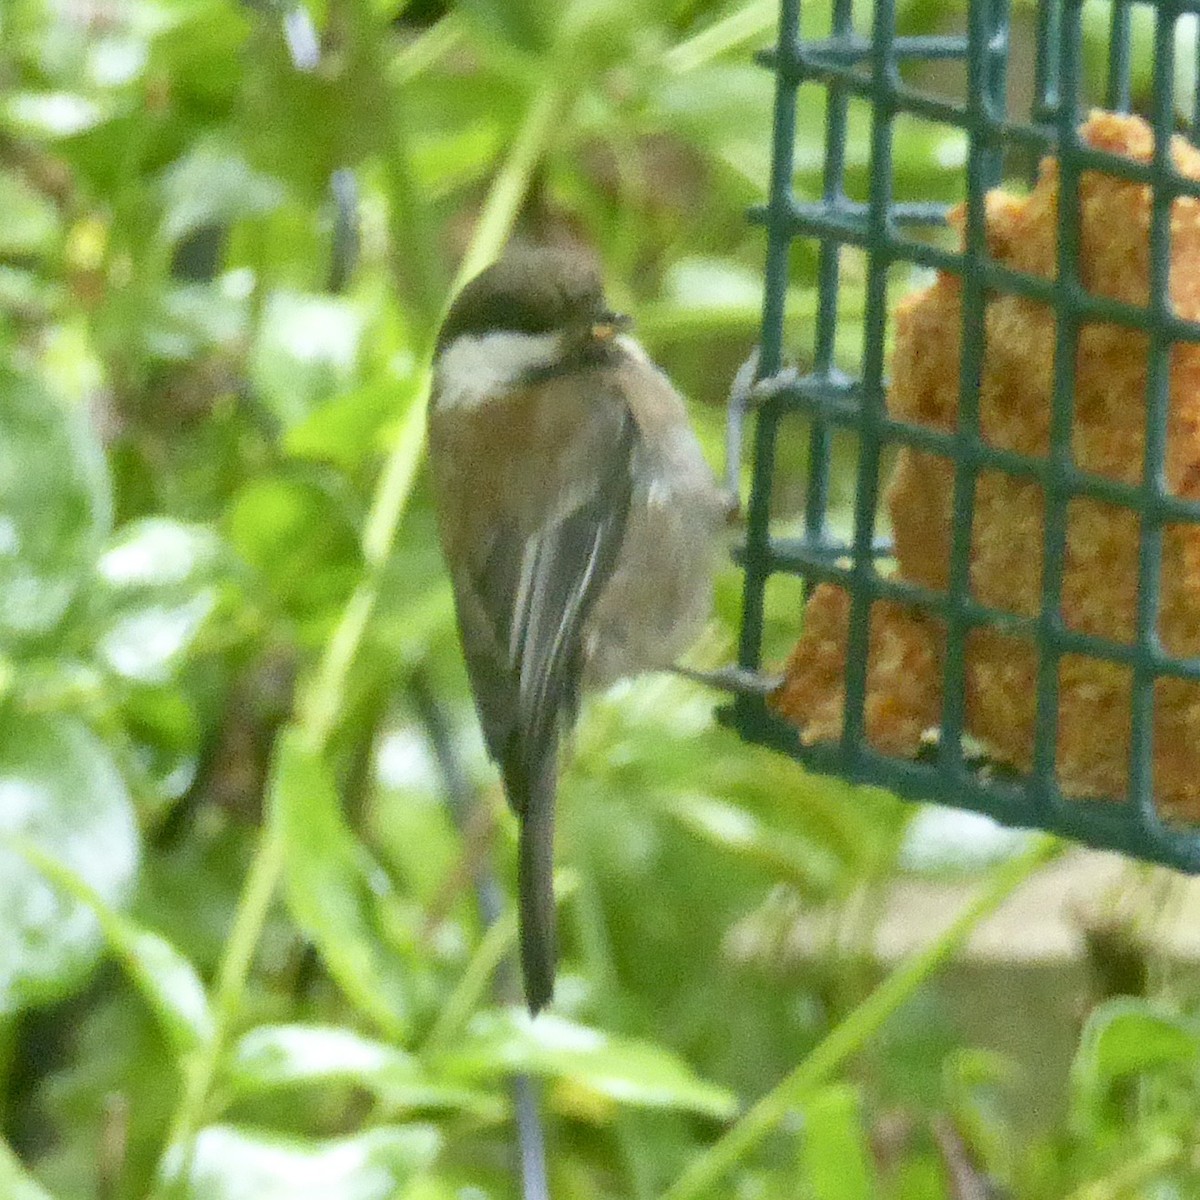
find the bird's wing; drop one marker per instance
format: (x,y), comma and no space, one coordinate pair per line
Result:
(533,491)
(537,535)
(536,587)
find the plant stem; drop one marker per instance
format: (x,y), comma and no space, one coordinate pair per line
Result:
(417,271)
(1129,1179)
(325,697)
(201,1070)
(491,958)
(636,1154)
(512,183)
(425,50)
(473,985)
(8,1043)
(396,483)
(854,1031)
(322,701)
(740,26)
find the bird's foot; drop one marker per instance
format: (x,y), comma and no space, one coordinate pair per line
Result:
(739,681)
(747,393)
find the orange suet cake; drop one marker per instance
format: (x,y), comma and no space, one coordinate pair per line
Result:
(1099,586)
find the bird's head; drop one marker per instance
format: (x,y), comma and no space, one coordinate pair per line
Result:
(533,312)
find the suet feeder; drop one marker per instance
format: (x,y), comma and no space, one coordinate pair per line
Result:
(1012,623)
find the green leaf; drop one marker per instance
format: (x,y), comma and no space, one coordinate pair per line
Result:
(191,319)
(346,430)
(157,553)
(1125,1037)
(977,1085)
(834,1154)
(713,283)
(157,587)
(274,1057)
(167,737)
(455,158)
(167,981)
(306,352)
(500,1042)
(212,184)
(55,507)
(15,1184)
(334,888)
(409,821)
(525,25)
(27,292)
(30,223)
(303,543)
(60,792)
(148,644)
(52,114)
(232,1163)
(720,108)
(808,867)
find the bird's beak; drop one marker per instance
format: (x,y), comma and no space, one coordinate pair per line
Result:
(609,324)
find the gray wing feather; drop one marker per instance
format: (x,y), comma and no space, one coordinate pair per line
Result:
(536,591)
(523,615)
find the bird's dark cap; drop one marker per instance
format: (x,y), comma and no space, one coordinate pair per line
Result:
(529,290)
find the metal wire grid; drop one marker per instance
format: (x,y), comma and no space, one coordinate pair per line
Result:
(850,65)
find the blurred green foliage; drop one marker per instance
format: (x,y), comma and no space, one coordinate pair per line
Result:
(239,951)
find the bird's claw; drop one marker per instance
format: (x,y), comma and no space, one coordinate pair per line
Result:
(746,393)
(739,681)
(748,390)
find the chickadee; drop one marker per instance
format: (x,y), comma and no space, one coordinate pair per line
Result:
(579,521)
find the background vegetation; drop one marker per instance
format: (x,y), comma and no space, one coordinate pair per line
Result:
(242,798)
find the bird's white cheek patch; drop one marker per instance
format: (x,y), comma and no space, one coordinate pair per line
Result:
(634,349)
(474,370)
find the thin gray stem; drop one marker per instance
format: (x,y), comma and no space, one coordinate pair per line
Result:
(462,800)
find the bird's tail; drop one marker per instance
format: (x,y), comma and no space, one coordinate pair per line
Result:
(531,793)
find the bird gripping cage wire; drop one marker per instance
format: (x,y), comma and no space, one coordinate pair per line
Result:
(1013,625)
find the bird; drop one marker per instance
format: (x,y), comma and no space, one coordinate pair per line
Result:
(579,520)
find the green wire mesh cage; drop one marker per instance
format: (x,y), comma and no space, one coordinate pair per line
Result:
(887,74)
